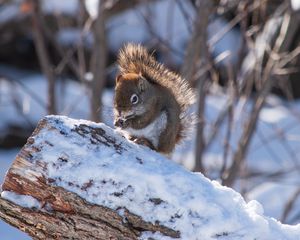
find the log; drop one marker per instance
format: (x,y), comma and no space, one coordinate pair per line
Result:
(76,179)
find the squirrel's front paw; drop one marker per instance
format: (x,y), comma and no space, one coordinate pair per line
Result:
(144,141)
(121,123)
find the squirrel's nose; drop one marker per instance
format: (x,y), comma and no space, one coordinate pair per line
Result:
(119,122)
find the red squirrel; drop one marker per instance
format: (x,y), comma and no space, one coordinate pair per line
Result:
(150,101)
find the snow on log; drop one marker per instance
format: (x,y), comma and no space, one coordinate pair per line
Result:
(76,179)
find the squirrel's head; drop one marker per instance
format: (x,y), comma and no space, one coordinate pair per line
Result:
(132,97)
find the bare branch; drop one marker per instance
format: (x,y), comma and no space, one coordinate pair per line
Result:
(43,55)
(250,126)
(98,63)
(289,206)
(197,55)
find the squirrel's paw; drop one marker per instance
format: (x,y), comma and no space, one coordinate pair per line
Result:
(143,141)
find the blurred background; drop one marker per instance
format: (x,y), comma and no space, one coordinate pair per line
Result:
(241,56)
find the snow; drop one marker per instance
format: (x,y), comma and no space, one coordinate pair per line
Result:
(12,10)
(69,7)
(268,192)
(274,114)
(150,235)
(151,186)
(273,153)
(295,4)
(22,200)
(131,25)
(92,7)
(277,133)
(31,92)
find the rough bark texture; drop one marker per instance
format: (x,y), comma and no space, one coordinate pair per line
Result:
(63,214)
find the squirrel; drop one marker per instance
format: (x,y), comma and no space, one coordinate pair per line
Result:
(151,102)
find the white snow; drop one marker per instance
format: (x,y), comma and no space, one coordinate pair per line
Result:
(155,236)
(295,4)
(92,7)
(151,186)
(276,126)
(11,9)
(21,200)
(273,152)
(58,6)
(30,92)
(268,192)
(131,25)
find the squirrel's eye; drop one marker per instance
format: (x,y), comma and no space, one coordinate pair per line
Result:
(134,99)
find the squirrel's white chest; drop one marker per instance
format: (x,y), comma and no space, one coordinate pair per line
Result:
(152,131)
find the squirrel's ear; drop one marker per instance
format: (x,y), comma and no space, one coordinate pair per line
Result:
(118,78)
(142,84)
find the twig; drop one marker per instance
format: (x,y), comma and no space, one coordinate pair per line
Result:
(197,55)
(98,63)
(266,80)
(80,45)
(185,14)
(43,56)
(219,35)
(230,120)
(17,104)
(289,206)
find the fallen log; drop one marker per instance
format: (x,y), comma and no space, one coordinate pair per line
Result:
(75,179)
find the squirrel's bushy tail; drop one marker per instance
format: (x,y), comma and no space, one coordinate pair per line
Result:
(133,58)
